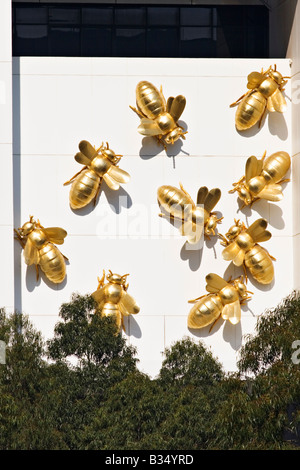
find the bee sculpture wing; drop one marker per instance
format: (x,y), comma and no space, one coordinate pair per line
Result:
(214,283)
(119,175)
(149,127)
(87,149)
(82,159)
(128,305)
(100,297)
(202,193)
(175,106)
(272,192)
(258,232)
(55,234)
(253,168)
(276,102)
(211,199)
(31,254)
(232,312)
(234,253)
(254,80)
(187,229)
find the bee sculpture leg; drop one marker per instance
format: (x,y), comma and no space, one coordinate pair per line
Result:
(245,273)
(170,217)
(19,238)
(141,115)
(101,281)
(243,96)
(286,180)
(98,191)
(73,177)
(184,190)
(196,300)
(214,323)
(160,141)
(122,323)
(262,116)
(37,272)
(224,241)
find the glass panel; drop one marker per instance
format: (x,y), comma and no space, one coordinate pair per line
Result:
(158,16)
(196,16)
(96,42)
(25,15)
(257,16)
(230,16)
(162,42)
(64,41)
(64,15)
(230,41)
(257,43)
(130,16)
(101,15)
(30,40)
(130,42)
(197,42)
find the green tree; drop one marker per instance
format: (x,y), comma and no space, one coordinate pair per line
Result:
(254,414)
(25,421)
(191,380)
(97,357)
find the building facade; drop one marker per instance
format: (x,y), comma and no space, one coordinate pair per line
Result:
(50,103)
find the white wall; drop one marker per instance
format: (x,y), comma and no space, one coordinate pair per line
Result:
(294,53)
(6,172)
(60,101)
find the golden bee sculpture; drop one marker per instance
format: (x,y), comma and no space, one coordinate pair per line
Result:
(194,219)
(223,300)
(113,300)
(243,249)
(100,164)
(39,249)
(263,178)
(265,93)
(158,117)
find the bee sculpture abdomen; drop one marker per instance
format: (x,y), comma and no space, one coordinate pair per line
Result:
(172,200)
(52,263)
(205,311)
(83,189)
(276,166)
(111,309)
(149,100)
(250,110)
(260,264)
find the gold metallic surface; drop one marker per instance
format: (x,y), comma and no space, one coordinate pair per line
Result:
(194,219)
(113,300)
(224,300)
(39,249)
(265,93)
(243,249)
(100,164)
(158,117)
(263,178)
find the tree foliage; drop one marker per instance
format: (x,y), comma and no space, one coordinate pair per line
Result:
(83,389)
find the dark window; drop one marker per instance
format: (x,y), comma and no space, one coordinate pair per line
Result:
(64,41)
(64,15)
(162,42)
(102,30)
(96,42)
(130,42)
(130,16)
(94,15)
(163,16)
